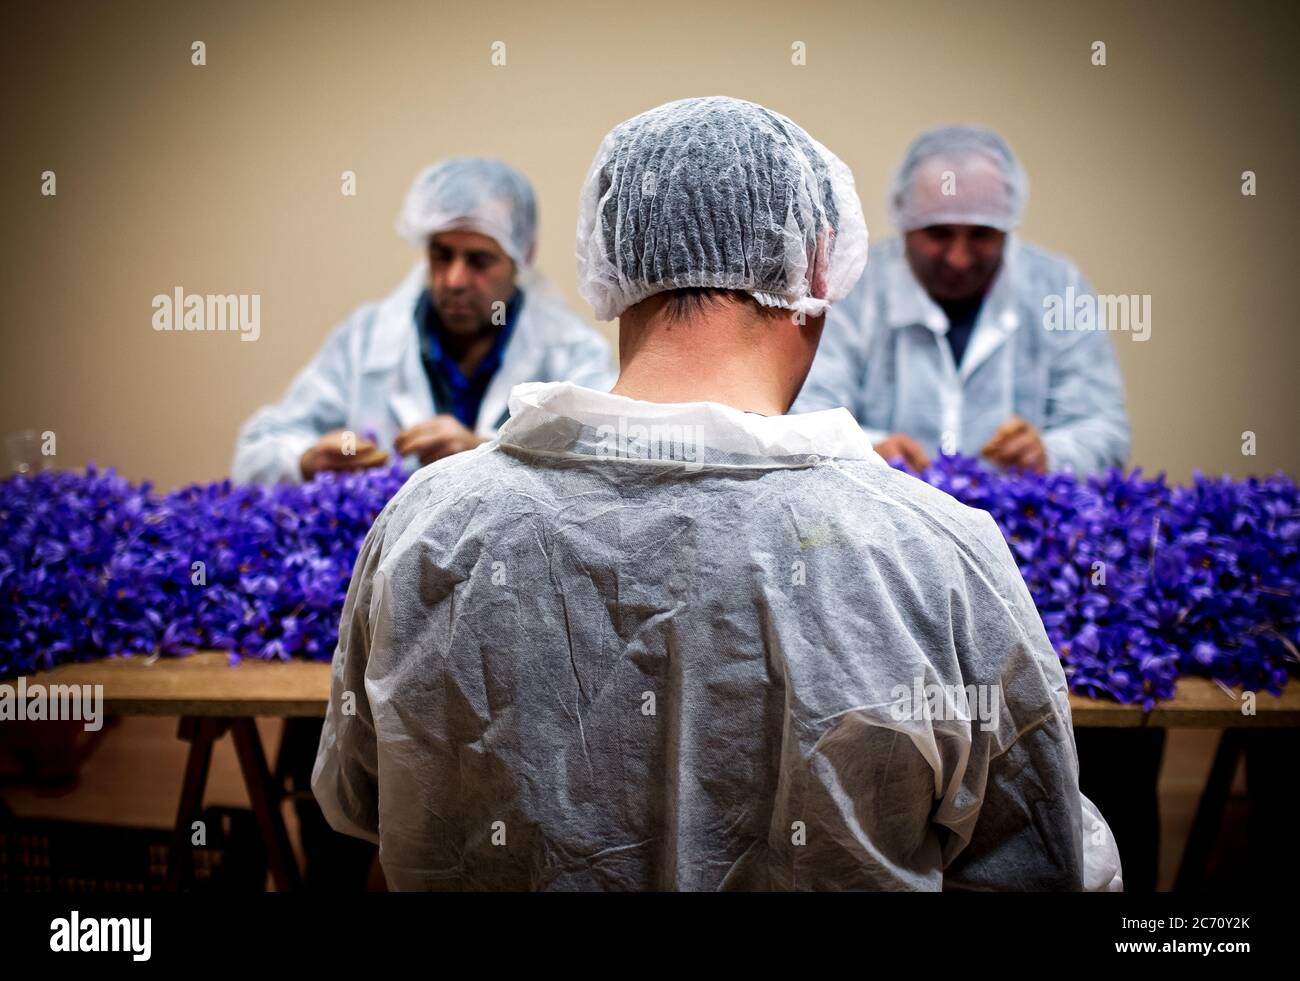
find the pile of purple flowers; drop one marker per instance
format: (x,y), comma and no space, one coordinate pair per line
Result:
(1137,582)
(92,565)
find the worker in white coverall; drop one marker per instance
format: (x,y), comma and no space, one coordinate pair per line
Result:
(669,637)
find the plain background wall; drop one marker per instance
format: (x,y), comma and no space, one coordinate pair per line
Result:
(226,178)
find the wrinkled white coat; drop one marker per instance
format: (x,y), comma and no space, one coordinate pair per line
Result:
(597,654)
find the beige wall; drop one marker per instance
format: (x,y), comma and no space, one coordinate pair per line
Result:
(226,178)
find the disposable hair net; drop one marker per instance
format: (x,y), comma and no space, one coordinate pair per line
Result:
(476,194)
(717,193)
(959,175)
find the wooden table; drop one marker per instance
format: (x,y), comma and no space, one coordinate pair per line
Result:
(211,698)
(205,684)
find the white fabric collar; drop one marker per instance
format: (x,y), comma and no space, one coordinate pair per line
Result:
(569,420)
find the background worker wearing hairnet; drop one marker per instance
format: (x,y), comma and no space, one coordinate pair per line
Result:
(664,637)
(943,344)
(427,370)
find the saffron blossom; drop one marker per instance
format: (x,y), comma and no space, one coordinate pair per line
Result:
(1138,583)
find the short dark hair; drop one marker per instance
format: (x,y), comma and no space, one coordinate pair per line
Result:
(683,304)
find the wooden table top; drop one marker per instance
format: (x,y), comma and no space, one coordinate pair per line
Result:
(205,684)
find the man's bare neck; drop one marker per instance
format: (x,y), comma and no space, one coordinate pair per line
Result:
(687,377)
(731,353)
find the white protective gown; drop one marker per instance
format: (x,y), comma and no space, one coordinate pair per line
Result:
(568,662)
(369,377)
(885,358)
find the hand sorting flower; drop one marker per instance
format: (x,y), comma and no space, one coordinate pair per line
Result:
(900,446)
(436,438)
(1017,446)
(341,450)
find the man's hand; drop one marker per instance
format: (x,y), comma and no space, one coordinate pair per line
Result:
(435,438)
(340,450)
(902,445)
(1017,444)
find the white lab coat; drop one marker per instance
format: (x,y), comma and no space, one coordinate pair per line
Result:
(566,661)
(369,377)
(884,356)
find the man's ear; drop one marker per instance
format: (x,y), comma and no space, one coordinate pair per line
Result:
(821,263)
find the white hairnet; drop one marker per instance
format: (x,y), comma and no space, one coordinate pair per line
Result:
(475,194)
(719,193)
(959,175)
